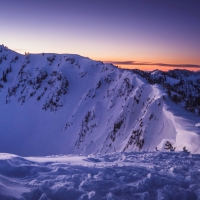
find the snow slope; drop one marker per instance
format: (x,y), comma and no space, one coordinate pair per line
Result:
(117,176)
(61,104)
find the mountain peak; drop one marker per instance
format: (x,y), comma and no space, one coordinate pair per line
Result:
(72,104)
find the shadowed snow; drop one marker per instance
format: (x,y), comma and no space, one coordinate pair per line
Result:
(152,175)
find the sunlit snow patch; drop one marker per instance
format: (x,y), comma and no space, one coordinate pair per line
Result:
(198,124)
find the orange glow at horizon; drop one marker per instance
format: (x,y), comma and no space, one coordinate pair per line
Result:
(152,67)
(149,65)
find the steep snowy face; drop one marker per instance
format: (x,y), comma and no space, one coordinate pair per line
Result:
(52,104)
(182,86)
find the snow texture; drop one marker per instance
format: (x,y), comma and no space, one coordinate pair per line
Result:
(153,175)
(198,124)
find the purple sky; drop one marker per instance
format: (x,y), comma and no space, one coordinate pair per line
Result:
(164,33)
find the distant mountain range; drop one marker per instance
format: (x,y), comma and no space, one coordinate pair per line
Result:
(68,104)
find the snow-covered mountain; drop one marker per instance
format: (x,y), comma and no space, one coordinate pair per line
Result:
(182,86)
(64,103)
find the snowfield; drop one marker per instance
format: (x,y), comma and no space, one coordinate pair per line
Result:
(152,175)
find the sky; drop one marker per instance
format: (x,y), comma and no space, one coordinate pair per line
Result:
(144,34)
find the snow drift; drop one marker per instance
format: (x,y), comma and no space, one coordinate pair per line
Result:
(154,175)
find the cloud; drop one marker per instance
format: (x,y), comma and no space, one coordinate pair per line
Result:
(153,64)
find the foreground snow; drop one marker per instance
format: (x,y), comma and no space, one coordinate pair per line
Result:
(152,175)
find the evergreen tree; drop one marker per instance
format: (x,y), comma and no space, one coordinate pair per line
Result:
(4,77)
(7,70)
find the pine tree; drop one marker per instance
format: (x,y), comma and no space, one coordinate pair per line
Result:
(4,77)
